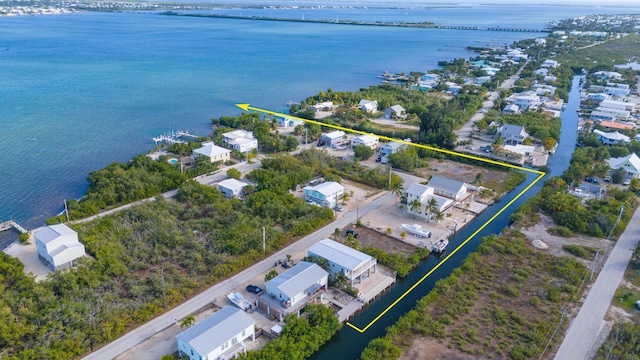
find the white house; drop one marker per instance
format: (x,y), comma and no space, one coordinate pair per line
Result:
(333,139)
(611,138)
(526,100)
(366,140)
(293,289)
(617,113)
(342,259)
(391,148)
(58,246)
(326,194)
(220,336)
(598,96)
(240,140)
(213,152)
(620,105)
(395,112)
(511,109)
(512,134)
(544,89)
(231,188)
(286,122)
(608,75)
(541,72)
(368,105)
(540,41)
(323,106)
(548,63)
(602,116)
(424,194)
(451,189)
(630,164)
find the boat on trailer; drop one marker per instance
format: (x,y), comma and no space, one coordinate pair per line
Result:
(416,230)
(238,300)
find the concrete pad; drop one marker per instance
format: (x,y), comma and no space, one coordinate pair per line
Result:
(28,255)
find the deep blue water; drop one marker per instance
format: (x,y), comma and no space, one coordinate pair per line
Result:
(80,91)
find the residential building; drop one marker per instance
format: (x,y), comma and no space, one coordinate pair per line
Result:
(512,134)
(602,116)
(541,72)
(323,106)
(446,193)
(342,259)
(326,194)
(548,63)
(213,152)
(544,89)
(540,41)
(333,139)
(240,140)
(482,79)
(620,105)
(395,112)
(550,79)
(611,138)
(424,194)
(451,189)
(617,113)
(608,75)
(286,122)
(58,246)
(231,188)
(369,141)
(527,100)
(511,109)
(220,336)
(290,291)
(368,105)
(630,164)
(598,96)
(391,148)
(610,125)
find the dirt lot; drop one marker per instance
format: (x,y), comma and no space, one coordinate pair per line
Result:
(463,172)
(380,241)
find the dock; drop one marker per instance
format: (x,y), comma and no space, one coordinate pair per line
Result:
(8,225)
(174,137)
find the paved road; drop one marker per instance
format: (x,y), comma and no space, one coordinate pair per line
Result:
(162,322)
(584,328)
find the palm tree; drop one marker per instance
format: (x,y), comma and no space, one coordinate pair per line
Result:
(397,188)
(187,321)
(415,206)
(344,197)
(431,206)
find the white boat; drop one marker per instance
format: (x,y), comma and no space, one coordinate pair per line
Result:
(440,246)
(416,230)
(238,300)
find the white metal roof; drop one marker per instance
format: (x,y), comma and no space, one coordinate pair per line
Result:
(211,150)
(299,278)
(52,232)
(339,254)
(334,134)
(633,160)
(326,188)
(232,184)
(209,334)
(446,184)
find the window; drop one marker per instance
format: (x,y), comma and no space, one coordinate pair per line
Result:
(234,340)
(243,332)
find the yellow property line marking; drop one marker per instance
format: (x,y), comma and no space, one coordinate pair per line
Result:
(541,174)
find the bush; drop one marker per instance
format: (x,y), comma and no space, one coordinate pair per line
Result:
(580,251)
(561,231)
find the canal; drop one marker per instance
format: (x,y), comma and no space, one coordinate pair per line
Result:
(349,343)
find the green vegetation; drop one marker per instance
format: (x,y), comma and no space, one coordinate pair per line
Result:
(622,344)
(505,290)
(362,152)
(537,125)
(265,130)
(301,336)
(599,57)
(398,261)
(581,251)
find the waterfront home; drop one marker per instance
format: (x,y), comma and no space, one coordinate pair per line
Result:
(597,96)
(58,246)
(391,148)
(541,72)
(323,106)
(515,55)
(220,336)
(292,290)
(368,105)
(630,164)
(550,79)
(451,189)
(620,105)
(611,138)
(540,41)
(213,152)
(241,140)
(511,134)
(607,75)
(369,141)
(326,194)
(612,89)
(544,89)
(617,113)
(602,116)
(344,260)
(527,100)
(548,63)
(333,139)
(424,194)
(231,188)
(611,125)
(395,112)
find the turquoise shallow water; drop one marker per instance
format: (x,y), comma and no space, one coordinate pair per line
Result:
(80,91)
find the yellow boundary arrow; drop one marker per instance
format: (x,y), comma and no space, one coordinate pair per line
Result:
(541,174)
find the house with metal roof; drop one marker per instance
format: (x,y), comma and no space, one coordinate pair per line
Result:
(58,246)
(292,290)
(326,194)
(451,189)
(220,336)
(395,112)
(611,138)
(213,152)
(231,188)
(241,140)
(333,139)
(424,194)
(369,141)
(368,105)
(512,134)
(391,147)
(342,259)
(630,164)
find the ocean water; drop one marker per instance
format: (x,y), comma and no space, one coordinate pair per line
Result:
(80,91)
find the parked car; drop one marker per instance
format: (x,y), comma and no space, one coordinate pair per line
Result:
(254,289)
(592,180)
(469,147)
(353,232)
(487,148)
(337,208)
(626,182)
(378,159)
(607,178)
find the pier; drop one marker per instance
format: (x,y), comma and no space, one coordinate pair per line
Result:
(177,137)
(7,225)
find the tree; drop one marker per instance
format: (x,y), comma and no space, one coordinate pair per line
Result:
(415,206)
(397,189)
(270,275)
(431,206)
(344,197)
(187,321)
(479,179)
(234,173)
(362,152)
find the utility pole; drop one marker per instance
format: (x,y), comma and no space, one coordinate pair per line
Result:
(66,210)
(390,168)
(163,290)
(264,241)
